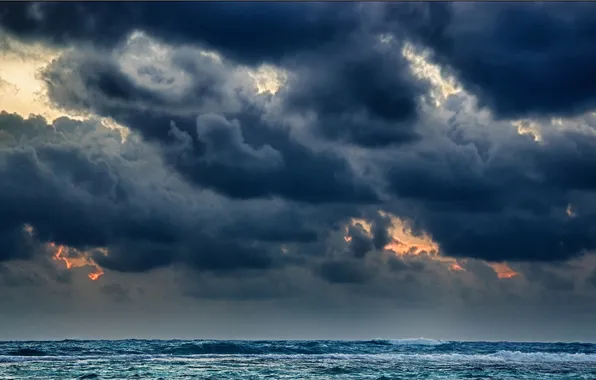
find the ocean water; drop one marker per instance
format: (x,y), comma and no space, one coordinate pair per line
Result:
(376,359)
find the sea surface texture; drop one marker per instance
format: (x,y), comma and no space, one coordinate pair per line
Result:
(376,359)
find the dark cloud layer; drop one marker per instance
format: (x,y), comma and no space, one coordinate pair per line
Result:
(212,134)
(510,206)
(88,196)
(346,90)
(269,31)
(222,178)
(368,98)
(527,59)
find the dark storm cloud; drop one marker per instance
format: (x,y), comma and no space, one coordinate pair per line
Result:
(380,231)
(368,98)
(280,228)
(499,196)
(77,184)
(508,205)
(152,94)
(269,31)
(14,242)
(212,134)
(477,197)
(360,92)
(520,59)
(283,168)
(360,243)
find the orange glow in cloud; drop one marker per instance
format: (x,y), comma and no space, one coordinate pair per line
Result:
(58,255)
(74,258)
(94,276)
(405,243)
(456,267)
(503,270)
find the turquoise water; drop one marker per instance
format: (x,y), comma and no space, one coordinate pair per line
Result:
(376,359)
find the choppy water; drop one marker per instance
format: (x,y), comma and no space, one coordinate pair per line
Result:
(376,359)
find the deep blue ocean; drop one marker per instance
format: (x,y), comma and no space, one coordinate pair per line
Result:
(375,359)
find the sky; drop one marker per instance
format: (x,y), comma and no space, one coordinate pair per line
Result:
(298,170)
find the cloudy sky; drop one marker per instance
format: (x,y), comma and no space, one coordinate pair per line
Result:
(298,170)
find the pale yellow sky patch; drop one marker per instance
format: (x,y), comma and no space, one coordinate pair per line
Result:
(268,78)
(528,127)
(442,86)
(23,92)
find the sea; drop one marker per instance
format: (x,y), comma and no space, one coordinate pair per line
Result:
(379,359)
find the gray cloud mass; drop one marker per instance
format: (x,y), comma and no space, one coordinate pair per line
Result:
(249,195)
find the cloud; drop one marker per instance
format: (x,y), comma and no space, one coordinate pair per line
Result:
(270,31)
(76,183)
(369,98)
(482,190)
(245,150)
(209,123)
(344,90)
(345,181)
(520,60)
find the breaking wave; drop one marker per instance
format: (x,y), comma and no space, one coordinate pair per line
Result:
(517,356)
(507,357)
(221,348)
(402,349)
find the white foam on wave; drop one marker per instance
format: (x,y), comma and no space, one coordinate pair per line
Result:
(514,357)
(497,357)
(504,356)
(518,356)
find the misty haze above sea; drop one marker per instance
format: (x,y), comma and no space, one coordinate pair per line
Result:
(218,359)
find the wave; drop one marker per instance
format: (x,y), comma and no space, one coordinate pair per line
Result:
(407,349)
(501,357)
(221,348)
(27,352)
(518,356)
(410,342)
